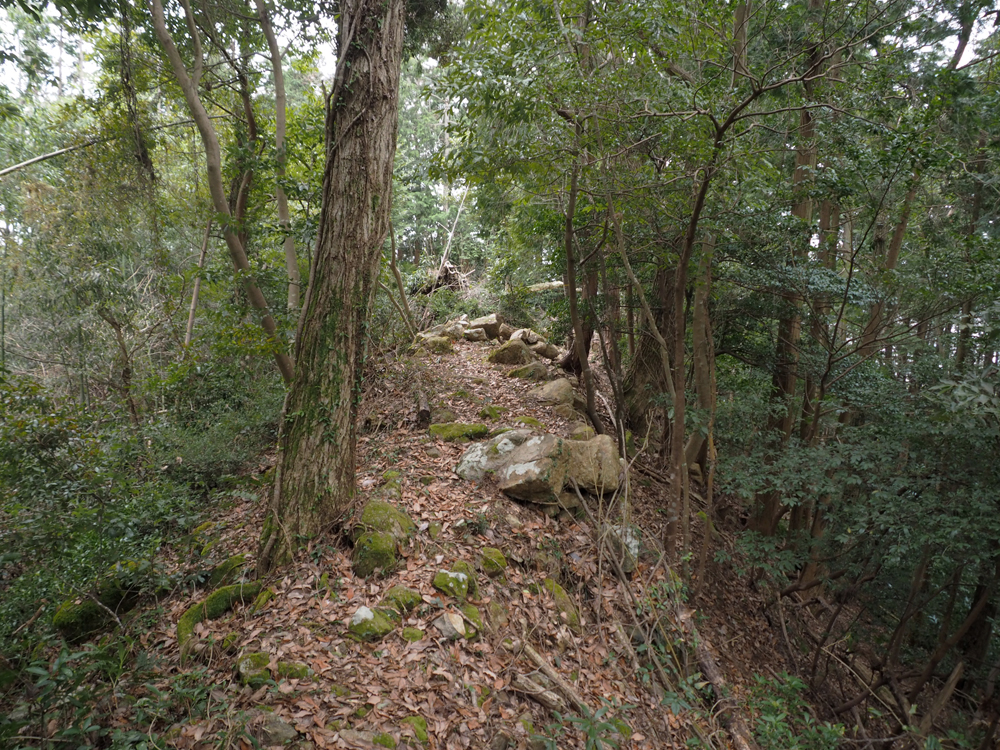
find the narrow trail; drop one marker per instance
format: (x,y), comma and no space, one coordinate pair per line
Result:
(329,690)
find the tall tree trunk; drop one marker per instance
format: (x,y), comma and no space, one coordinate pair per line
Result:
(315,482)
(284,220)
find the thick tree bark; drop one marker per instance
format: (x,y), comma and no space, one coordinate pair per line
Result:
(315,482)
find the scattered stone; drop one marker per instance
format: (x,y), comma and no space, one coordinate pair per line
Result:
(357,738)
(493,562)
(456,431)
(379,515)
(413,634)
(594,464)
(526,335)
(292,670)
(438,345)
(503,334)
(432,451)
(461,566)
(555,392)
(528,421)
(384,739)
(536,470)
(580,431)
(564,604)
(625,545)
(453,330)
(514,352)
(402,599)
(544,349)
(484,458)
(252,669)
(391,475)
(497,615)
(374,550)
(471,612)
(489,324)
(451,625)
(434,530)
(566,411)
(475,334)
(370,625)
(531,371)
(427,480)
(452,583)
(491,412)
(274,731)
(419,726)
(443,416)
(513,521)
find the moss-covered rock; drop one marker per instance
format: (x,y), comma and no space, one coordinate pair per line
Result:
(472,614)
(461,566)
(434,530)
(493,562)
(497,614)
(427,479)
(117,593)
(77,620)
(581,431)
(226,572)
(564,604)
(374,550)
(514,352)
(213,607)
(292,670)
(491,412)
(455,431)
(413,634)
(438,345)
(402,599)
(261,601)
(253,670)
(384,739)
(339,691)
(391,475)
(370,625)
(529,421)
(452,584)
(419,726)
(379,515)
(531,371)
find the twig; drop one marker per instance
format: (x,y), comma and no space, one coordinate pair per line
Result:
(547,669)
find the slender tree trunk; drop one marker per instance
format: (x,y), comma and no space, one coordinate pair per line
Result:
(315,482)
(213,163)
(197,286)
(284,220)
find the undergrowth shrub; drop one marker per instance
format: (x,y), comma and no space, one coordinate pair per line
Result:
(782,719)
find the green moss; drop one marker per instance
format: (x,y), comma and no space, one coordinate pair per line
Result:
(362,711)
(530,371)
(226,572)
(413,634)
(228,643)
(443,416)
(437,345)
(402,599)
(529,421)
(563,603)
(391,475)
(419,726)
(582,432)
(384,517)
(75,621)
(292,670)
(214,606)
(456,430)
(384,739)
(491,412)
(472,613)
(427,480)
(261,601)
(369,625)
(452,584)
(463,394)
(434,530)
(461,566)
(252,668)
(339,691)
(493,562)
(374,550)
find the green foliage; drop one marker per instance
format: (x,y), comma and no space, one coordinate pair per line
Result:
(782,719)
(600,730)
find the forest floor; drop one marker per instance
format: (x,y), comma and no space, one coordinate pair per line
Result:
(356,693)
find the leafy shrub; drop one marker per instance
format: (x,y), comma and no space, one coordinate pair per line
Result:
(782,720)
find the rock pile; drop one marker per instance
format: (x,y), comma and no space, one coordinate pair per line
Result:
(491,327)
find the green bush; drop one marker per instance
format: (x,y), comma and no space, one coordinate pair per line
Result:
(782,720)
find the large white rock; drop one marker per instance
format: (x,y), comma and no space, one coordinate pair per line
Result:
(594,465)
(490,324)
(536,471)
(528,336)
(484,458)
